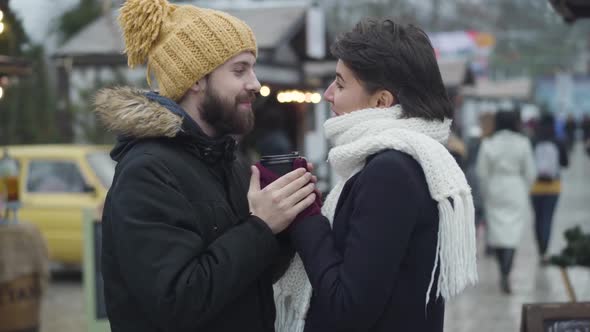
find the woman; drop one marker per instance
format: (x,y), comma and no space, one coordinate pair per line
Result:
(506,171)
(395,237)
(550,156)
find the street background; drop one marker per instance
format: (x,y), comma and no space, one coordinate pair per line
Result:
(494,55)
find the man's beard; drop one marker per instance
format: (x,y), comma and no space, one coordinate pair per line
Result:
(224,116)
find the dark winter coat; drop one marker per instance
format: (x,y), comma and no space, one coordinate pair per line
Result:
(371,271)
(180,250)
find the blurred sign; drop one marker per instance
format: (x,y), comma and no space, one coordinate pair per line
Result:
(556,317)
(316,33)
(564,93)
(471,45)
(462,43)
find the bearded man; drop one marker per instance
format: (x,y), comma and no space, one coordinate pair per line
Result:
(188,244)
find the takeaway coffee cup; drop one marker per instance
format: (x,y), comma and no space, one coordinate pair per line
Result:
(280,164)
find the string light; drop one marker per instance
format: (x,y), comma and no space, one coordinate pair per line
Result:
(297,96)
(316,98)
(264,91)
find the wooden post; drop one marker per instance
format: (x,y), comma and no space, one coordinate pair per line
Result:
(568,284)
(65,118)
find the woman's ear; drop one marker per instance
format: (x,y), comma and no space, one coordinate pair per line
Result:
(384,99)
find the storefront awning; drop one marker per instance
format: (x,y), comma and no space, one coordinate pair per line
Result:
(513,89)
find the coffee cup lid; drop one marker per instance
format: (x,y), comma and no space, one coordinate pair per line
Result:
(291,155)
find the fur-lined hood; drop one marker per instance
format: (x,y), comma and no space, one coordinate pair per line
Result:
(129,112)
(134,115)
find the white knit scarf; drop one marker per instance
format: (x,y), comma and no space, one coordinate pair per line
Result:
(359,134)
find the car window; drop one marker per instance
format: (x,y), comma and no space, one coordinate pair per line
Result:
(54,176)
(103,166)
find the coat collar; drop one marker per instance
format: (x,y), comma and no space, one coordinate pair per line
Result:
(135,114)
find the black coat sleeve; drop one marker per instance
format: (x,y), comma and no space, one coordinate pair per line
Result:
(286,254)
(177,279)
(352,289)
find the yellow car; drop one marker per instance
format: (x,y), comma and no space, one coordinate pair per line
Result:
(56,184)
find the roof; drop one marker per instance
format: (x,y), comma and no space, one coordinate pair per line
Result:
(519,88)
(101,37)
(271,26)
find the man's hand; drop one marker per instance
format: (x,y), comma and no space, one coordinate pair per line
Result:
(279,202)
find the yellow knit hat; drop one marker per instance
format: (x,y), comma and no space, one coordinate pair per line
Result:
(181,43)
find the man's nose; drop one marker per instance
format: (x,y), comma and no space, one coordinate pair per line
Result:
(254,85)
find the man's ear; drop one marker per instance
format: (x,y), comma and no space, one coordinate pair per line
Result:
(384,99)
(199,86)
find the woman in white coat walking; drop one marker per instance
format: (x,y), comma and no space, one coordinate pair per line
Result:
(506,172)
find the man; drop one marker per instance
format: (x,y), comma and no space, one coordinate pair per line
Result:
(186,245)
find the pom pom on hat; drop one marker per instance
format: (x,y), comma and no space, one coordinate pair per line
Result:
(141,21)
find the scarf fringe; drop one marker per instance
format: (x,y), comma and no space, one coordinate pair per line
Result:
(456,247)
(288,317)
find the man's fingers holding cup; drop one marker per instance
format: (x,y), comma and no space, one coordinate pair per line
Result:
(300,194)
(294,186)
(287,179)
(303,204)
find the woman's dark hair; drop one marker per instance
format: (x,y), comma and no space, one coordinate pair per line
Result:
(399,58)
(508,120)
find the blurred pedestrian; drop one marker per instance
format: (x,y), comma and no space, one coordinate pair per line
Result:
(560,122)
(506,171)
(550,156)
(586,133)
(586,126)
(486,130)
(487,125)
(570,131)
(457,149)
(187,246)
(473,144)
(380,256)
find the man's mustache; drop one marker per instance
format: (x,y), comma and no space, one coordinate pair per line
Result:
(249,97)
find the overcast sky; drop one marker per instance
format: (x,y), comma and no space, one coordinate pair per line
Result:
(37,15)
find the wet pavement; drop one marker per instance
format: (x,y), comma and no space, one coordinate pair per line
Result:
(482,308)
(485,309)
